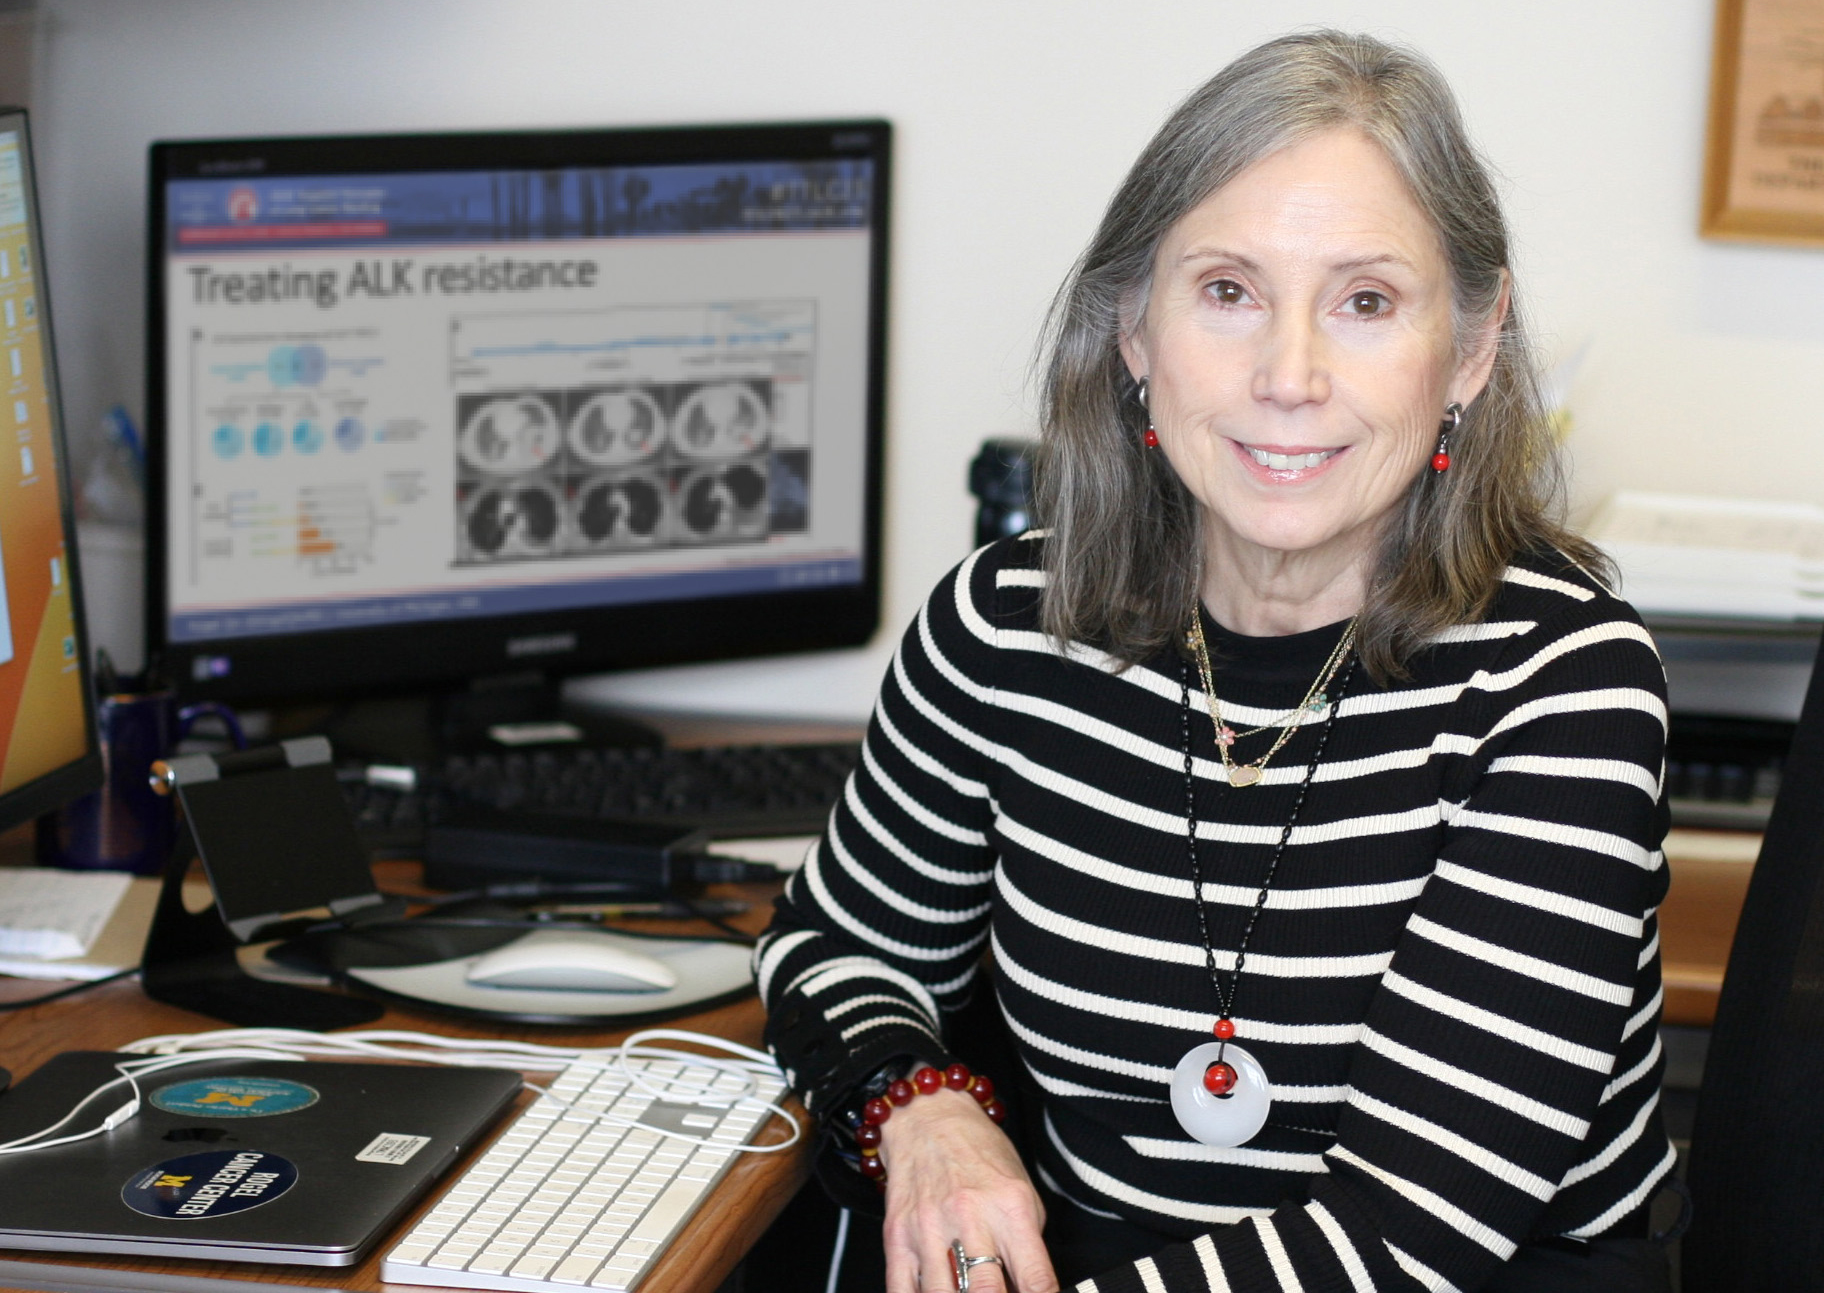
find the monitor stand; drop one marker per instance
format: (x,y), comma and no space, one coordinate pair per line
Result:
(424,728)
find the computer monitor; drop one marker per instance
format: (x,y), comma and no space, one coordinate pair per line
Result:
(48,743)
(424,410)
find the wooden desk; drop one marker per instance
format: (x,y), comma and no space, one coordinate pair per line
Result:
(1710,874)
(756,1188)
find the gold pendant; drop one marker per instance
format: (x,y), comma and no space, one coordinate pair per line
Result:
(1242,775)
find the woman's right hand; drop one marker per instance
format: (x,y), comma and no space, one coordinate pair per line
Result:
(952,1174)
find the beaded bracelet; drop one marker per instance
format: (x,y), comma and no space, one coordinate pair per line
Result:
(927,1081)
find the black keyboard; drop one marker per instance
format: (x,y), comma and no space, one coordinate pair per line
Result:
(1721,794)
(731,791)
(1724,773)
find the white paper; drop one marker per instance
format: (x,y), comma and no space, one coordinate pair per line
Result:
(120,944)
(46,913)
(1695,555)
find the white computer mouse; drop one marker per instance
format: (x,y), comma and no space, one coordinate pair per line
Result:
(571,961)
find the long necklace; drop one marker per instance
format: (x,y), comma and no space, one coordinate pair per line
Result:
(1220,1092)
(1317,699)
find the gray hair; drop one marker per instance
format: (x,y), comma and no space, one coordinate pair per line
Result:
(1124,555)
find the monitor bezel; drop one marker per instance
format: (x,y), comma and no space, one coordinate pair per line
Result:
(84,775)
(351,663)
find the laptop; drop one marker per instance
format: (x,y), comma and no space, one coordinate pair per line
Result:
(300,1163)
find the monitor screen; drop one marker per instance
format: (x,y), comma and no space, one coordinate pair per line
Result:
(431,408)
(47,739)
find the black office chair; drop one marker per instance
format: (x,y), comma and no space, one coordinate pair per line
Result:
(1757,1150)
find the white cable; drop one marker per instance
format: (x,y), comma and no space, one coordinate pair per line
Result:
(130,1072)
(749,1067)
(430,1048)
(748,1053)
(836,1251)
(373,1043)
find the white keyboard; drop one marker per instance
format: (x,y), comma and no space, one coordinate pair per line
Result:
(563,1200)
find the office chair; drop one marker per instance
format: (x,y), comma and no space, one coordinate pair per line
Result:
(1757,1150)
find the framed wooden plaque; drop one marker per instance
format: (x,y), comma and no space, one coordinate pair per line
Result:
(1764,164)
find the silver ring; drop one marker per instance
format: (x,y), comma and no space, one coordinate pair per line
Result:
(961,1263)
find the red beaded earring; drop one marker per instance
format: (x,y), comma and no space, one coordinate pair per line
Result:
(1151,438)
(1453,418)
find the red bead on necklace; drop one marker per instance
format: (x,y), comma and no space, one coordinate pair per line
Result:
(1219,1078)
(1224,1029)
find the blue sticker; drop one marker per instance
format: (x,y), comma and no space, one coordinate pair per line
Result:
(214,1184)
(234,1097)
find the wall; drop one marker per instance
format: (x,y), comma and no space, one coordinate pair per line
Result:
(1016,119)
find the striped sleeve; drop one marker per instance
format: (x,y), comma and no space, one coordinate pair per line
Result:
(1517,1007)
(878,937)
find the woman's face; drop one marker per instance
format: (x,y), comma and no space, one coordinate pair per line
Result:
(1298,348)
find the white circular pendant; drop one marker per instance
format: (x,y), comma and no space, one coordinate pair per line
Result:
(1221,1120)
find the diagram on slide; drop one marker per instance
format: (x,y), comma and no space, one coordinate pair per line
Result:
(285,430)
(642,428)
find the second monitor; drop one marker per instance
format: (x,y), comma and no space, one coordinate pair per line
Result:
(426,410)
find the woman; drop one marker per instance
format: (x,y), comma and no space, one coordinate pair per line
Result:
(1302,780)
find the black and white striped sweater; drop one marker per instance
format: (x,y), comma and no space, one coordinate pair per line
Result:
(1453,988)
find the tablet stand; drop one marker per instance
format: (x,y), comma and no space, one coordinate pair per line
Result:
(276,840)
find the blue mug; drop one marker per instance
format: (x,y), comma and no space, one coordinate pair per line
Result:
(124,826)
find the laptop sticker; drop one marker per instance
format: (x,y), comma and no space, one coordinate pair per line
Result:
(234,1097)
(214,1184)
(392,1147)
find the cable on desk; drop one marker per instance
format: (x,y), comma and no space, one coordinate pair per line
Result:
(66,992)
(729,933)
(734,932)
(522,891)
(430,1048)
(530,891)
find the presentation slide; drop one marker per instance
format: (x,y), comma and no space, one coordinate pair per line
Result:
(416,397)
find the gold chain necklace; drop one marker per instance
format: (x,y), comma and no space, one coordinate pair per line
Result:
(1242,775)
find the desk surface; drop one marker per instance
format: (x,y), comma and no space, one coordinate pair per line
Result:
(1710,874)
(743,1205)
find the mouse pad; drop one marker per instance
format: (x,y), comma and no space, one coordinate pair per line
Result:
(303,1163)
(708,973)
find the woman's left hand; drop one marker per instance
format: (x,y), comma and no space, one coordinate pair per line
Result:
(953,1175)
